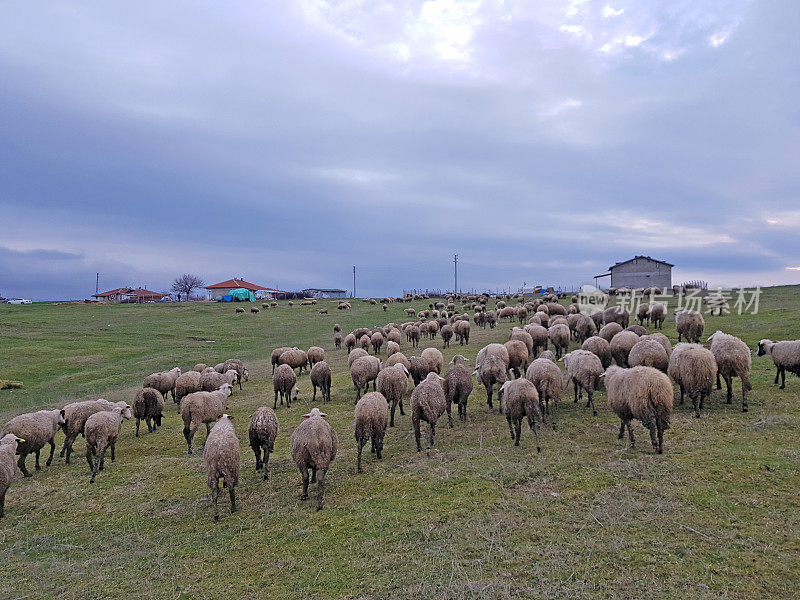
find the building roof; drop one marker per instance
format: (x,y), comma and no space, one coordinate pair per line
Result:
(663,262)
(138,292)
(239,283)
(324,290)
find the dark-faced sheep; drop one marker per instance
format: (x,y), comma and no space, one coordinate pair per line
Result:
(8,466)
(276,356)
(785,356)
(372,417)
(428,403)
(641,393)
(262,431)
(520,399)
(694,369)
(321,378)
(314,444)
(733,360)
(458,385)
(148,406)
(222,456)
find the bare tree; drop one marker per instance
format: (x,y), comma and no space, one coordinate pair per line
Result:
(186,283)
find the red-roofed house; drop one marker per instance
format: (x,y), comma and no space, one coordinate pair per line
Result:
(224,287)
(130,296)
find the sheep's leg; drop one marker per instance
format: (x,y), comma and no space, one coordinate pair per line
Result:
(450,414)
(267,449)
(654,437)
(415,421)
(489,391)
(214,498)
(52,451)
(660,438)
(621,429)
(188,433)
(313,474)
(103,458)
(3,503)
(535,429)
(113,451)
(314,397)
(21,465)
(517,431)
(372,445)
(590,393)
(304,475)
(288,398)
(783,378)
(321,489)
(682,392)
(697,404)
(402,412)
(208,429)
(373,386)
(137,426)
(391,415)
(433,434)
(554,413)
(378,443)
(719,383)
(510,426)
(275,402)
(630,435)
(729,385)
(149,422)
(36,464)
(575,385)
(361,443)
(257,451)
(232,493)
(745,387)
(777,374)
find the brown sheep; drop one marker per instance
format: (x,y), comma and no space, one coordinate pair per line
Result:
(447,335)
(284,383)
(362,371)
(377,341)
(148,406)
(398,358)
(600,347)
(314,444)
(349,342)
(517,356)
(690,325)
(262,431)
(295,358)
(649,353)
(392,382)
(102,432)
(420,367)
(609,331)
(337,340)
(222,457)
(616,314)
(559,336)
(621,345)
(458,385)
(733,360)
(203,408)
(584,370)
(546,376)
(490,372)
(434,358)
(321,378)
(658,312)
(521,399)
(354,354)
(276,356)
(372,416)
(428,403)
(315,354)
(694,369)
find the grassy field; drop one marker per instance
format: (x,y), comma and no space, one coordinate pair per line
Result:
(716,516)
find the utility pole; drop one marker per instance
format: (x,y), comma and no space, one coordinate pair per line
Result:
(97,284)
(455,273)
(354,281)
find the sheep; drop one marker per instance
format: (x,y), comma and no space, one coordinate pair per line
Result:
(354,354)
(295,358)
(398,358)
(609,331)
(314,445)
(75,415)
(521,400)
(321,378)
(600,347)
(462,331)
(458,385)
(548,354)
(262,431)
(392,383)
(490,371)
(616,314)
(148,406)
(517,356)
(584,370)
(637,329)
(643,313)
(186,384)
(412,334)
(648,353)
(522,336)
(640,393)
(199,367)
(447,335)
(661,339)
(203,407)
(433,329)
(558,320)
(276,356)
(265,305)
(694,369)
(621,345)
(559,337)
(394,335)
(428,403)
(239,310)
(8,467)
(337,340)
(290,304)
(35,429)
(349,341)
(554,308)
(420,367)
(284,383)
(690,325)
(254,310)
(785,356)
(546,376)
(733,360)
(658,312)
(102,432)
(392,348)
(434,358)
(496,350)
(372,416)
(584,328)
(362,371)
(315,354)
(211,381)
(222,457)
(164,382)
(539,338)
(491,319)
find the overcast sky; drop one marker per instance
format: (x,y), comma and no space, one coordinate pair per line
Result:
(284,142)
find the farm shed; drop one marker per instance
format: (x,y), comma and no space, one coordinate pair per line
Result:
(322,293)
(224,288)
(130,296)
(639,272)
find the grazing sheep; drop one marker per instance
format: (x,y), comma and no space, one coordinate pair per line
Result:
(315,354)
(372,416)
(523,336)
(148,406)
(392,348)
(420,367)
(354,354)
(539,338)
(609,331)
(584,328)
(392,382)
(398,358)
(276,356)
(102,432)
(462,330)
(616,314)
(211,381)
(554,308)
(222,457)
(559,336)
(785,356)
(284,383)
(599,347)
(321,378)
(447,335)
(637,329)
(337,328)
(428,403)
(491,371)
(314,445)
(621,345)
(350,342)
(658,312)
(290,304)
(75,415)
(648,353)
(546,376)
(733,360)
(362,371)
(496,350)
(434,358)
(394,336)
(458,385)
(254,310)
(295,358)
(548,354)
(199,367)
(35,430)
(377,341)
(433,329)
(521,399)
(186,384)
(265,305)
(164,382)
(517,356)
(412,334)
(262,432)
(661,339)
(337,340)
(239,310)
(690,325)
(640,393)
(584,370)
(8,467)
(203,408)
(694,369)
(643,313)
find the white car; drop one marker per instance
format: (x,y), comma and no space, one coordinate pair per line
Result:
(18,301)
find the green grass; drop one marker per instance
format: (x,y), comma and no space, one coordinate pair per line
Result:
(716,516)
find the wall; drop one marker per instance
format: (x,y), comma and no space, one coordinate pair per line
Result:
(641,274)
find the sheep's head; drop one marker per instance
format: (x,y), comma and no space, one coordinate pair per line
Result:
(246,375)
(177,371)
(315,412)
(126,410)
(10,438)
(227,388)
(713,334)
(295,393)
(60,417)
(764,346)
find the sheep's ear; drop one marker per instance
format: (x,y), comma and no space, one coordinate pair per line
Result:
(230,417)
(63,412)
(323,415)
(306,416)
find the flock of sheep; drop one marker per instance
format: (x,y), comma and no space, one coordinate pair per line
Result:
(523,371)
